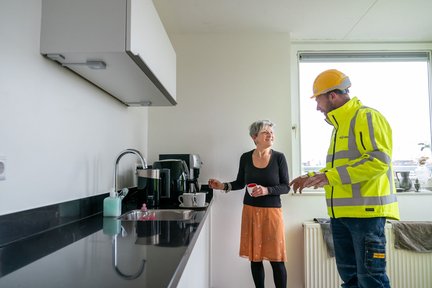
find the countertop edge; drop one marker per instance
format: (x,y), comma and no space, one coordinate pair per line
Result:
(183,262)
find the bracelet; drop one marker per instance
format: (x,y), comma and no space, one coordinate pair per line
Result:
(227,187)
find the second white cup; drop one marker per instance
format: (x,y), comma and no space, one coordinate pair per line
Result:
(200,198)
(187,200)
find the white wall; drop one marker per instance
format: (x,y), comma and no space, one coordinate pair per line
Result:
(224,83)
(60,135)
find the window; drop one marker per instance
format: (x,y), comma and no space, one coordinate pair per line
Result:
(395,83)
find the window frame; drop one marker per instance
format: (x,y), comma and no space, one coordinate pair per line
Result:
(316,49)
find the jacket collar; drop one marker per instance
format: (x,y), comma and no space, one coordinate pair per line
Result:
(346,111)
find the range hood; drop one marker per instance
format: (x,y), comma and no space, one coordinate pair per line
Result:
(120,46)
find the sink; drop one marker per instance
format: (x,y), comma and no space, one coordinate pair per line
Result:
(158,215)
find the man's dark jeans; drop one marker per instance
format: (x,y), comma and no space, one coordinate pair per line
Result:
(360,251)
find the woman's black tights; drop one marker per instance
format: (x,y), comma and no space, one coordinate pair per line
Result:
(258,274)
(279,274)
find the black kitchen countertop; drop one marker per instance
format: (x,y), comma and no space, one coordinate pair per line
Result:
(101,251)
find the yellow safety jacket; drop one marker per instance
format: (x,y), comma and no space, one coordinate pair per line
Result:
(358,164)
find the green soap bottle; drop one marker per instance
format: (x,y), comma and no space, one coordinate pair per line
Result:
(111,226)
(112,205)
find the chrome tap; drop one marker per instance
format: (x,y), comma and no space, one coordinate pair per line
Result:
(124,152)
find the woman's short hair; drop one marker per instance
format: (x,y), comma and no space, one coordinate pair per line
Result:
(256,126)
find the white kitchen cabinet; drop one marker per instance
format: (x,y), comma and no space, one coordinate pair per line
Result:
(197,271)
(120,46)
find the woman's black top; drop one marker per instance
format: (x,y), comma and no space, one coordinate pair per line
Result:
(274,177)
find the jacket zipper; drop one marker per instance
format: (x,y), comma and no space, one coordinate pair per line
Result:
(361,140)
(332,165)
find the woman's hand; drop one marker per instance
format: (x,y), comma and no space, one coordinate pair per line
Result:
(215,184)
(259,191)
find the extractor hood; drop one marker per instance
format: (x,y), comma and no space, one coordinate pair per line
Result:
(120,46)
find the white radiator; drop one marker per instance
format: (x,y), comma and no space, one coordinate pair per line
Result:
(406,269)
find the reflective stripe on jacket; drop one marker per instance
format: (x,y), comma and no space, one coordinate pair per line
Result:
(358,165)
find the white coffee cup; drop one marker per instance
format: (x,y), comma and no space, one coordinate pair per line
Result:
(250,187)
(187,199)
(200,198)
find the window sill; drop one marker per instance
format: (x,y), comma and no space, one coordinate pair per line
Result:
(411,193)
(320,192)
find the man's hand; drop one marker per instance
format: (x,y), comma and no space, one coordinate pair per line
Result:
(305,181)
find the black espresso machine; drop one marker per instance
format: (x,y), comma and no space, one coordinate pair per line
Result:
(163,182)
(193,162)
(183,175)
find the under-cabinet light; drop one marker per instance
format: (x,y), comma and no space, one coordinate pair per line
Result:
(92,64)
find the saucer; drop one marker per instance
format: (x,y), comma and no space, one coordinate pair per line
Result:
(194,207)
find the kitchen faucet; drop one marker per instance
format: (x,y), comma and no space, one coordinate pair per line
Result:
(124,152)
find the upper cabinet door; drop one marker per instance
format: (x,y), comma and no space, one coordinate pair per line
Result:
(149,40)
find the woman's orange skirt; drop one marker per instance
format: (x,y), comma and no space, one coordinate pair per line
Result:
(262,234)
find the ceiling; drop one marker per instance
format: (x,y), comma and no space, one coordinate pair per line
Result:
(324,20)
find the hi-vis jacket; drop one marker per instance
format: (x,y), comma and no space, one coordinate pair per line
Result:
(358,165)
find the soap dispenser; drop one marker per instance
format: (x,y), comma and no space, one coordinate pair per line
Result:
(112,205)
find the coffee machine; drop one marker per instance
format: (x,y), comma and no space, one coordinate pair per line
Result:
(176,179)
(193,162)
(149,181)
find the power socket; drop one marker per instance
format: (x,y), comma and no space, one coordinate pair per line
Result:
(2,168)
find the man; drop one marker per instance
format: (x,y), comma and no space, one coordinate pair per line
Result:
(358,181)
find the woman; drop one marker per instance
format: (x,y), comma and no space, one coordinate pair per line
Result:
(262,228)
